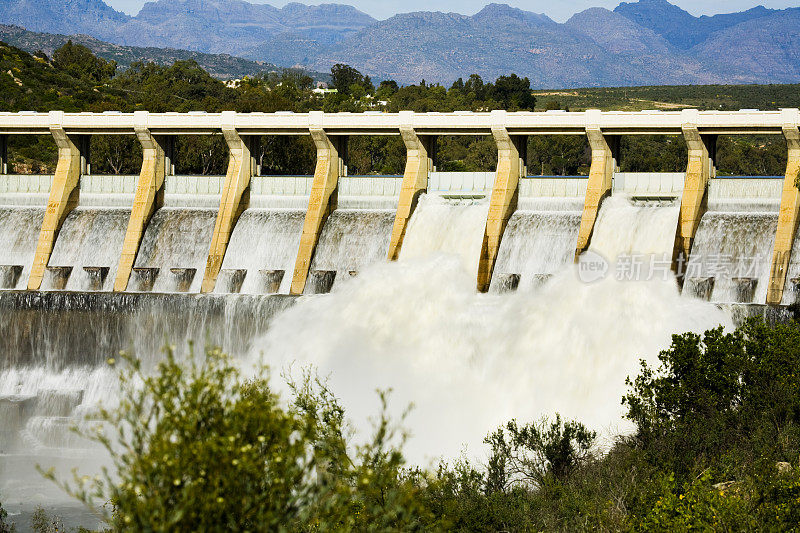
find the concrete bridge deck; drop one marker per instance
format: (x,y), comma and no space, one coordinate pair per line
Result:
(329,131)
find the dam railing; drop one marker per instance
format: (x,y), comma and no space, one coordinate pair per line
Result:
(418,131)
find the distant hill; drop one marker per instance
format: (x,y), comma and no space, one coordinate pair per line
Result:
(222,66)
(595,48)
(212,26)
(639,43)
(679,27)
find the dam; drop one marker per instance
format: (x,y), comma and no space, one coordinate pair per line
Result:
(479,296)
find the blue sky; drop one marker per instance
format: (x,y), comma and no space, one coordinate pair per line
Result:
(559,10)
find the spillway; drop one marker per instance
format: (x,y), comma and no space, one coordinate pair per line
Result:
(19,231)
(543,340)
(538,243)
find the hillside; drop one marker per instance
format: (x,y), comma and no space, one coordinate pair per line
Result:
(665,98)
(222,66)
(211,26)
(33,84)
(647,42)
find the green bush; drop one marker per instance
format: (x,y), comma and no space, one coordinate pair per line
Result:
(199,449)
(5,527)
(721,400)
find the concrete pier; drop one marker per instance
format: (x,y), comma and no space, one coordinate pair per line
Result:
(331,154)
(788,216)
(419,164)
(149,197)
(235,197)
(510,168)
(63,195)
(699,170)
(605,152)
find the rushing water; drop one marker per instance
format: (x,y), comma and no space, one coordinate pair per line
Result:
(89,244)
(535,246)
(176,242)
(469,362)
(54,371)
(19,233)
(561,342)
(264,243)
(352,240)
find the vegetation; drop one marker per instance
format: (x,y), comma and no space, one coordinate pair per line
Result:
(715,448)
(75,80)
(5,527)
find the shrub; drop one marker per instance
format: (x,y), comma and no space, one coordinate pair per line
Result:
(720,400)
(536,454)
(5,527)
(200,449)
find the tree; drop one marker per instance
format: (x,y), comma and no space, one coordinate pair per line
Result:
(80,62)
(475,86)
(720,396)
(536,454)
(344,77)
(513,93)
(196,447)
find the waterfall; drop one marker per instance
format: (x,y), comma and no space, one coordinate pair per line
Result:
(351,240)
(731,257)
(53,371)
(19,234)
(535,245)
(176,242)
(264,243)
(628,228)
(469,362)
(561,342)
(90,244)
(453,227)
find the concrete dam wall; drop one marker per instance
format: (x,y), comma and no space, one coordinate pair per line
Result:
(477,296)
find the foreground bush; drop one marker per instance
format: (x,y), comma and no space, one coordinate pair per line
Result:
(199,449)
(715,448)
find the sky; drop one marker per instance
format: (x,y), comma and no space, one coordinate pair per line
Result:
(559,10)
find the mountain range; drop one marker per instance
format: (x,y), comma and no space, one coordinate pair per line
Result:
(648,42)
(222,66)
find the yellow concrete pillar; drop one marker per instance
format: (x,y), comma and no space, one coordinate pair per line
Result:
(699,169)
(149,197)
(323,199)
(415,181)
(63,197)
(505,193)
(235,198)
(601,175)
(790,206)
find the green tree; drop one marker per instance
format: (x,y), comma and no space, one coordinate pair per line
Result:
(513,93)
(196,447)
(721,400)
(344,77)
(80,62)
(536,454)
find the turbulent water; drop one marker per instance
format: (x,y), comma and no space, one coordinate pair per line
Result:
(90,244)
(535,246)
(54,371)
(564,341)
(469,362)
(19,233)
(176,242)
(264,243)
